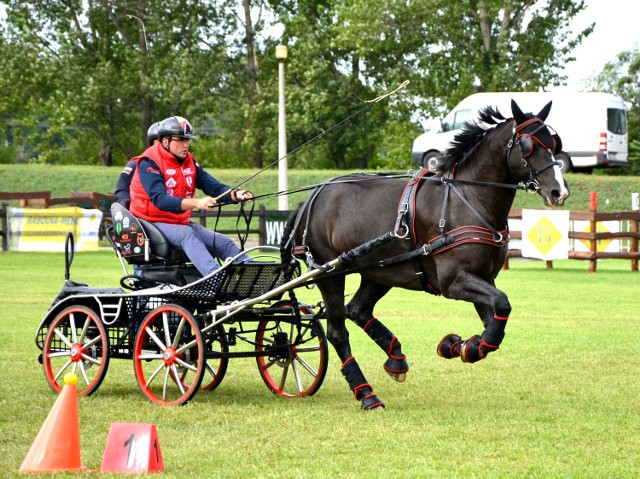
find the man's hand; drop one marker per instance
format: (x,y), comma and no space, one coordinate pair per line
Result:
(241,195)
(205,203)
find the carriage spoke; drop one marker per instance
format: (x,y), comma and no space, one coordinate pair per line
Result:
(305,365)
(84,373)
(186,365)
(85,328)
(296,374)
(72,325)
(176,378)
(164,384)
(187,346)
(58,354)
(63,338)
(155,339)
(92,343)
(91,359)
(62,369)
(154,374)
(283,379)
(210,370)
(165,325)
(178,333)
(149,356)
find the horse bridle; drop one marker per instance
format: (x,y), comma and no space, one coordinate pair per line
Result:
(526,143)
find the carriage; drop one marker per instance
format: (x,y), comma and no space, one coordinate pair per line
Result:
(180,329)
(446,233)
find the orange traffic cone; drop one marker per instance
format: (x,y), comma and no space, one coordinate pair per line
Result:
(57,446)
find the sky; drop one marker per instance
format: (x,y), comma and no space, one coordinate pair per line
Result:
(617,29)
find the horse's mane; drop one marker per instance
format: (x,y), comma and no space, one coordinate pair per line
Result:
(470,138)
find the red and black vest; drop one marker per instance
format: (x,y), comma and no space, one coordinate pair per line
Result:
(179,181)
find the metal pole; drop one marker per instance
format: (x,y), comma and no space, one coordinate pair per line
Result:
(283,185)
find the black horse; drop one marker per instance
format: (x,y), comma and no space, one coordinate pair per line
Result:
(444,233)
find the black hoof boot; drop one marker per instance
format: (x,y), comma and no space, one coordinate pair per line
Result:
(371,402)
(470,350)
(397,368)
(449,347)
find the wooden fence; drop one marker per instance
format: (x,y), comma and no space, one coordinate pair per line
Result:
(592,237)
(258,234)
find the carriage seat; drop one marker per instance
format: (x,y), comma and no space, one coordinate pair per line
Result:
(141,242)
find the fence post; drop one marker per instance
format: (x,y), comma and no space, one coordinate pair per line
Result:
(5,227)
(262,226)
(634,245)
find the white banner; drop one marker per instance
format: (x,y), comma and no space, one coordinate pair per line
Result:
(32,229)
(545,234)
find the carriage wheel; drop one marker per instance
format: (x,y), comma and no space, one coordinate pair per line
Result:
(298,358)
(215,368)
(76,342)
(168,356)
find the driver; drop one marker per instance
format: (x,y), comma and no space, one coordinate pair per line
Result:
(163,189)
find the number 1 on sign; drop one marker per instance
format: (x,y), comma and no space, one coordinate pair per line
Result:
(131,454)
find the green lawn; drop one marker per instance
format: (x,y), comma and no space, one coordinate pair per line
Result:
(560,399)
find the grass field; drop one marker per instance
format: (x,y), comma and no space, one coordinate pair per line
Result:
(561,399)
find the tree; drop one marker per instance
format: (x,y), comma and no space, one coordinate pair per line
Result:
(98,72)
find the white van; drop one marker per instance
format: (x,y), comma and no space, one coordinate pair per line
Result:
(592,126)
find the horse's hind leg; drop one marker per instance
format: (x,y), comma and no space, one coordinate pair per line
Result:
(360,311)
(338,336)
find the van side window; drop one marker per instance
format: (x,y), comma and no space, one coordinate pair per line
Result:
(616,121)
(461,117)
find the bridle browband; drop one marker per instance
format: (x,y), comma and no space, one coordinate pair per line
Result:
(526,143)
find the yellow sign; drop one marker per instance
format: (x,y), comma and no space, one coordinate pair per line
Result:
(601,244)
(544,235)
(46,229)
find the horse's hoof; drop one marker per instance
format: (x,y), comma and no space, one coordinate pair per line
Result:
(449,347)
(397,369)
(371,403)
(398,377)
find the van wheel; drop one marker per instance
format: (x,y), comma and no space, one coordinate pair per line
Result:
(431,160)
(565,162)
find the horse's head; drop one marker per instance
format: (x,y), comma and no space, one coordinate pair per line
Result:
(533,162)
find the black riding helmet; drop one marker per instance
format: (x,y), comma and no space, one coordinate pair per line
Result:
(152,133)
(175,126)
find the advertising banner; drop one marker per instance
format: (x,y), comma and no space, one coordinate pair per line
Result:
(274,226)
(32,229)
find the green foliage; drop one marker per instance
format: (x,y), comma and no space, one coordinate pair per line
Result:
(99,73)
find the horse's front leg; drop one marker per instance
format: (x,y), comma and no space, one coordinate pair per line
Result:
(493,307)
(338,336)
(360,311)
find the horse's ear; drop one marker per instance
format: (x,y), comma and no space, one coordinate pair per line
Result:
(544,113)
(518,116)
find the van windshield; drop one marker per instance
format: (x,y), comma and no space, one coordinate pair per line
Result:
(616,121)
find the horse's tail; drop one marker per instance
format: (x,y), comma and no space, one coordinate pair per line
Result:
(286,243)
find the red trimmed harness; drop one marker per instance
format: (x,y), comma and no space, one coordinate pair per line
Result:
(446,240)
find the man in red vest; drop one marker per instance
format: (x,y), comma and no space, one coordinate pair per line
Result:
(163,192)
